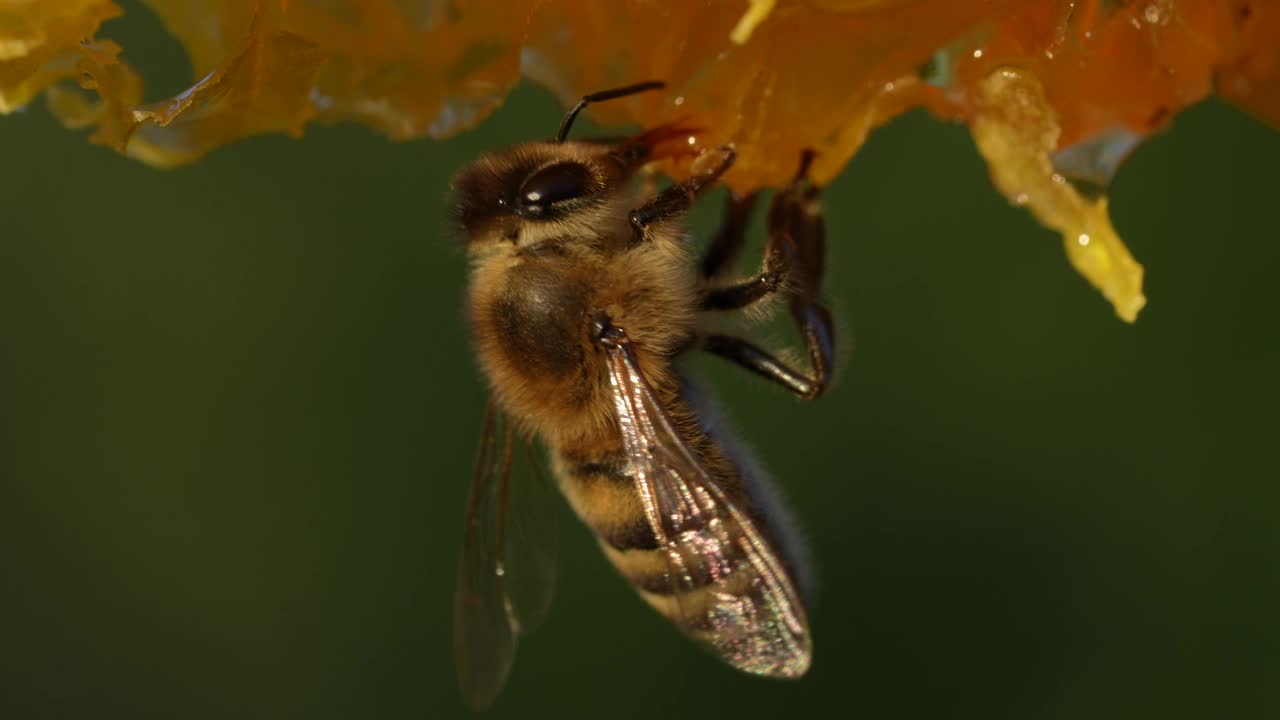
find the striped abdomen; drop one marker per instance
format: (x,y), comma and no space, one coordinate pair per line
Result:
(717,572)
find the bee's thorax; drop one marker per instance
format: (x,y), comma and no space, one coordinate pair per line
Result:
(531,311)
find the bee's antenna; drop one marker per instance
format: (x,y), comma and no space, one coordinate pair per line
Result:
(604,95)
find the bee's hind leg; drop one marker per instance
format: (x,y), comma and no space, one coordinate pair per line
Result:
(814,322)
(750,356)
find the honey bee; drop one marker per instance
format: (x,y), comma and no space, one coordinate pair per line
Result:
(582,296)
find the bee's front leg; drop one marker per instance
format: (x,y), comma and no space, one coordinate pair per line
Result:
(676,200)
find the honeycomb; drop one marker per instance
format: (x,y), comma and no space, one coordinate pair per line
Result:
(1055,92)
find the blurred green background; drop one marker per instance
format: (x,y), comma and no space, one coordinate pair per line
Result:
(238,413)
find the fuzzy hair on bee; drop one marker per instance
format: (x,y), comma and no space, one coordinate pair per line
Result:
(583,296)
(538,275)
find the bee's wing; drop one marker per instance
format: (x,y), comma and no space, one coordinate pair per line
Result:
(507,569)
(725,586)
(532,538)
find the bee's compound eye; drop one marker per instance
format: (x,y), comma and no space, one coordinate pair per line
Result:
(555,183)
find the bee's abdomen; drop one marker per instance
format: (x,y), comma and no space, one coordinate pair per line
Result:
(605,497)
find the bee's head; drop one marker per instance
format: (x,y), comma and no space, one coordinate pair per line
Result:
(539,190)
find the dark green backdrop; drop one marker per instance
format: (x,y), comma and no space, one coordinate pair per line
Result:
(238,413)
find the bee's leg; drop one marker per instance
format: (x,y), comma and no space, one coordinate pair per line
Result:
(773,273)
(798,236)
(793,263)
(727,244)
(676,199)
(794,258)
(751,357)
(816,328)
(747,292)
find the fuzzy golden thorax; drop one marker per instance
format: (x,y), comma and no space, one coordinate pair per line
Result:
(540,275)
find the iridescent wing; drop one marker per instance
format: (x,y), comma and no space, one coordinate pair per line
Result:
(724,585)
(507,569)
